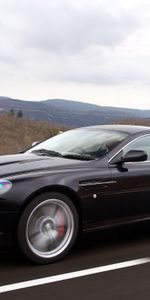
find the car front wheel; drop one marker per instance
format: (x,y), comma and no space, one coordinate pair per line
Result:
(48,228)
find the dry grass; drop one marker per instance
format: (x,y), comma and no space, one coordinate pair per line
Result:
(17,134)
(140,122)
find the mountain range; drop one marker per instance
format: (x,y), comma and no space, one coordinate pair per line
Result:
(70,113)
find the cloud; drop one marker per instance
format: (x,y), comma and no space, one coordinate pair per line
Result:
(97,42)
(69,29)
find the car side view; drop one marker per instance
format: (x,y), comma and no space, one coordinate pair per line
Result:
(80,180)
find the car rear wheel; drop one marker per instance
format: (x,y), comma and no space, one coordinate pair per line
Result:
(48,228)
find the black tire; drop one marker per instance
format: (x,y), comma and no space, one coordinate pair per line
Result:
(48,228)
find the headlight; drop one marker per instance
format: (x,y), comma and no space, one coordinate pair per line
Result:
(5,186)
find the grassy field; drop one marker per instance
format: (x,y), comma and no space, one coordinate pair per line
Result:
(17,134)
(140,122)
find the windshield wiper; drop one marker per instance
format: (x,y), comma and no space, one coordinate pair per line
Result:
(78,156)
(47,152)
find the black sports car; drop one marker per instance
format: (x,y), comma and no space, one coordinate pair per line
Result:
(82,179)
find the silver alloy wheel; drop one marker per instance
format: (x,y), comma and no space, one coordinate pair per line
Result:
(50,228)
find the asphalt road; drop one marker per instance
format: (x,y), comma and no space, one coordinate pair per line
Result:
(93,250)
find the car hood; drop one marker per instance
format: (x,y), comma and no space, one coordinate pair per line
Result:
(25,163)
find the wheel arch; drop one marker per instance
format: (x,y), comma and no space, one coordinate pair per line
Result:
(71,194)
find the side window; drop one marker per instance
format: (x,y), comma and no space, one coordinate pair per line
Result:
(142,143)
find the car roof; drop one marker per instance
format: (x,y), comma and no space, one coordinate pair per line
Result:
(130,129)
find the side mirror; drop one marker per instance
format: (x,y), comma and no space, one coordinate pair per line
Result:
(134,155)
(35,143)
(28,148)
(130,156)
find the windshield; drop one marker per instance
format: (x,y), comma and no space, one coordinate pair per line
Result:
(86,142)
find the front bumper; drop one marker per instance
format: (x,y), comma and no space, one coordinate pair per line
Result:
(8,224)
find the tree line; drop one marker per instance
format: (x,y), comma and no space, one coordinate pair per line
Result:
(13,113)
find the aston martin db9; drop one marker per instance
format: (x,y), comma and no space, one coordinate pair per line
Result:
(84,179)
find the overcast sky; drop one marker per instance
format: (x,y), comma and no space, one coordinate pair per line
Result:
(94,51)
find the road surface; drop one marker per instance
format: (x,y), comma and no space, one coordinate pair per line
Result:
(106,265)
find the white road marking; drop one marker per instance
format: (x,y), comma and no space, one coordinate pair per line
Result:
(71,275)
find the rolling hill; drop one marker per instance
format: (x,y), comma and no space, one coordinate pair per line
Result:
(70,113)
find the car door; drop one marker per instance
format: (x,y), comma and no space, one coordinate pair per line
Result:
(131,192)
